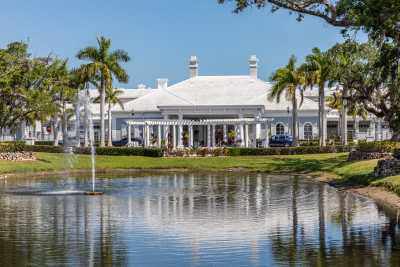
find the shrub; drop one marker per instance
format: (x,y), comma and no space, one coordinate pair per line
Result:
(378,146)
(308,142)
(110,151)
(396,153)
(122,151)
(239,151)
(44,148)
(217,152)
(12,146)
(43,143)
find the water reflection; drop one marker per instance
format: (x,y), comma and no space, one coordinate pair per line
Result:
(194,220)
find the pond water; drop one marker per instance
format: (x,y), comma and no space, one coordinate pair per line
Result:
(193,220)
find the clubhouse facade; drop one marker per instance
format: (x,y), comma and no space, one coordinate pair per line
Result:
(211,111)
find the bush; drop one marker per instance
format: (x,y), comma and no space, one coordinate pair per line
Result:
(239,151)
(308,142)
(110,151)
(12,146)
(396,153)
(44,148)
(378,146)
(43,143)
(122,151)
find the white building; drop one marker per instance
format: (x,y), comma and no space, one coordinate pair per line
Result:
(219,110)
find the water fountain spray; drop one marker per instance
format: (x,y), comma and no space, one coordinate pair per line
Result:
(83,101)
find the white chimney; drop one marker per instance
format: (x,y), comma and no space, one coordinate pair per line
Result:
(162,83)
(193,66)
(253,65)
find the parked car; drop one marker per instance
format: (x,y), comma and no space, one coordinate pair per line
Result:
(281,140)
(124,142)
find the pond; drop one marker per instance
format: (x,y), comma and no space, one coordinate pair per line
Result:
(178,219)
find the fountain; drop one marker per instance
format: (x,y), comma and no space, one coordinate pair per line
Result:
(71,142)
(84,101)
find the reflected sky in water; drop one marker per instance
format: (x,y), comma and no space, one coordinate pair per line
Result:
(193,220)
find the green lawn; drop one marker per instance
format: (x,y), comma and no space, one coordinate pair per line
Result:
(335,165)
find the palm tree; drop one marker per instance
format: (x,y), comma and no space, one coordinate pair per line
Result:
(104,64)
(289,80)
(112,98)
(318,68)
(63,92)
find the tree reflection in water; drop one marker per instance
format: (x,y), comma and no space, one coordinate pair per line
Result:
(196,219)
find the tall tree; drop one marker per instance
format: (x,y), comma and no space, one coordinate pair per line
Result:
(378,17)
(379,90)
(106,65)
(289,80)
(63,91)
(25,84)
(112,99)
(319,68)
(348,62)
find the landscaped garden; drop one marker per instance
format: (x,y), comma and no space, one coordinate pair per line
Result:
(332,167)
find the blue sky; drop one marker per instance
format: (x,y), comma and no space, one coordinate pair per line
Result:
(160,35)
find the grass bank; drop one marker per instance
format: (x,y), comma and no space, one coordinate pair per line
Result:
(333,165)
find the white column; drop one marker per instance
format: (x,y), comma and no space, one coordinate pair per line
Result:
(241,135)
(129,135)
(174,136)
(190,135)
(147,131)
(225,133)
(356,129)
(254,144)
(166,133)
(133,130)
(380,130)
(213,136)
(266,142)
(246,135)
(180,135)
(159,135)
(208,135)
(144,135)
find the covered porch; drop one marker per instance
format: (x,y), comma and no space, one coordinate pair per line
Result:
(242,132)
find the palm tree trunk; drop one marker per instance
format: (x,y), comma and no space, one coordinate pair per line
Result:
(55,122)
(64,126)
(109,125)
(102,104)
(294,119)
(321,115)
(343,127)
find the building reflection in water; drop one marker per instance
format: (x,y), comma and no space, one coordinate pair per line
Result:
(195,219)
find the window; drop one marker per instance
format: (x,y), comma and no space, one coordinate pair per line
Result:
(280,129)
(308,131)
(363,126)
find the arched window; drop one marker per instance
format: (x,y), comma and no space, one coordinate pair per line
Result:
(308,131)
(280,129)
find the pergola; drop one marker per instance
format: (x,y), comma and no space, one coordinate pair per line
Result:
(167,127)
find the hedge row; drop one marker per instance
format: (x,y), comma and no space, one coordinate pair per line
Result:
(12,146)
(378,146)
(43,143)
(44,148)
(239,151)
(122,151)
(110,151)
